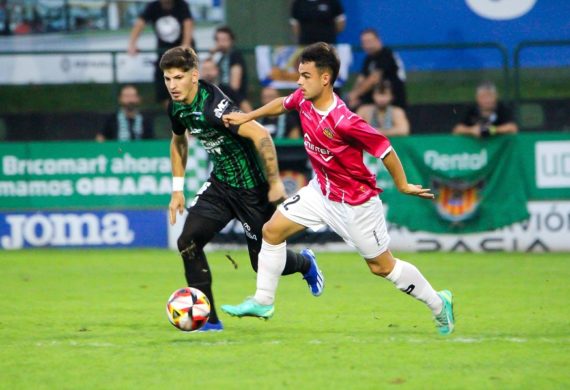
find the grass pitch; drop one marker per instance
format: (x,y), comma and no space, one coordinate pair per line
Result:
(96,320)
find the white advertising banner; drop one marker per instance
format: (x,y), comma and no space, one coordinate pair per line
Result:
(75,68)
(547,230)
(552,164)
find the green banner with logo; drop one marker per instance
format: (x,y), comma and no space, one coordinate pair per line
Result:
(478,184)
(68,175)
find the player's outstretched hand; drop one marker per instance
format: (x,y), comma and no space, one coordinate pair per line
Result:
(417,190)
(235,118)
(176,205)
(277,193)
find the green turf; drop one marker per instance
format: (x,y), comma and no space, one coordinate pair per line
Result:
(96,320)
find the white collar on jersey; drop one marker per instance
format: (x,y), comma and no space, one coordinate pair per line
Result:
(331,107)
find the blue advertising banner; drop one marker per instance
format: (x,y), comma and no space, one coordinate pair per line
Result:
(507,22)
(142,228)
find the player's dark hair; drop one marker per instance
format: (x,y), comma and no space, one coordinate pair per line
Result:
(324,56)
(370,30)
(226,30)
(184,58)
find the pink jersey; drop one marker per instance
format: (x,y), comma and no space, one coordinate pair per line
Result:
(334,141)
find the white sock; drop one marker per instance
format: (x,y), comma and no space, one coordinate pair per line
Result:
(409,279)
(272,260)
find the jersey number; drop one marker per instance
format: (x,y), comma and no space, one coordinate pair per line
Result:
(293,200)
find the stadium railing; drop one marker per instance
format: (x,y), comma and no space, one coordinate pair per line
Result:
(517,54)
(250,51)
(469,46)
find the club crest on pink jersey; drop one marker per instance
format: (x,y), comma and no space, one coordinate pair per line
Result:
(328,133)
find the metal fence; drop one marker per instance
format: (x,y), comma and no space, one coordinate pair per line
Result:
(511,76)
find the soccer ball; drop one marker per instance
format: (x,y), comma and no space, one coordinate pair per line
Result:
(188,309)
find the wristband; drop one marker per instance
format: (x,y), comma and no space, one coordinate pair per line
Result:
(492,130)
(177,184)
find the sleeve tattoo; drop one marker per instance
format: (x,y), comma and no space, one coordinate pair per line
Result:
(268,155)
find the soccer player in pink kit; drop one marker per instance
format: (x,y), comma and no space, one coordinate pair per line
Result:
(343,195)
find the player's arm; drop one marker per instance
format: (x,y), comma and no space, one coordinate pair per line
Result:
(178,158)
(135,33)
(394,166)
(274,107)
(268,155)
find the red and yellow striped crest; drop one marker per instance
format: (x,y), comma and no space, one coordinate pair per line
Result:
(457,200)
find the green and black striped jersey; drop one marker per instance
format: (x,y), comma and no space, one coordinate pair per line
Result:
(235,158)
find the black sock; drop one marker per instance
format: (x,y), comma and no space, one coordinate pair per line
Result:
(296,263)
(207,290)
(198,275)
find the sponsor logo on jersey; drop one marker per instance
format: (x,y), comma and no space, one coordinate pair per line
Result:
(328,133)
(222,105)
(323,152)
(458,201)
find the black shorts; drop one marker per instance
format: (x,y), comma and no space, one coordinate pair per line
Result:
(219,202)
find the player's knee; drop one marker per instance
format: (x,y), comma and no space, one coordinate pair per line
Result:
(271,235)
(380,269)
(183,242)
(188,249)
(187,239)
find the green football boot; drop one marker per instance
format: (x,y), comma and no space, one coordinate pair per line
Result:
(445,322)
(249,308)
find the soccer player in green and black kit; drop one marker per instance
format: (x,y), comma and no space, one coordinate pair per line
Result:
(244,183)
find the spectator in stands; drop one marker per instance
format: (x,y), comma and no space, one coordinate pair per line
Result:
(317,20)
(5,18)
(388,119)
(283,126)
(381,63)
(210,72)
(127,124)
(488,116)
(173,26)
(232,67)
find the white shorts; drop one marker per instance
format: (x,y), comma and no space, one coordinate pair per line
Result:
(362,227)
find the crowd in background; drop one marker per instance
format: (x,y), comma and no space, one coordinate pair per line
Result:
(378,93)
